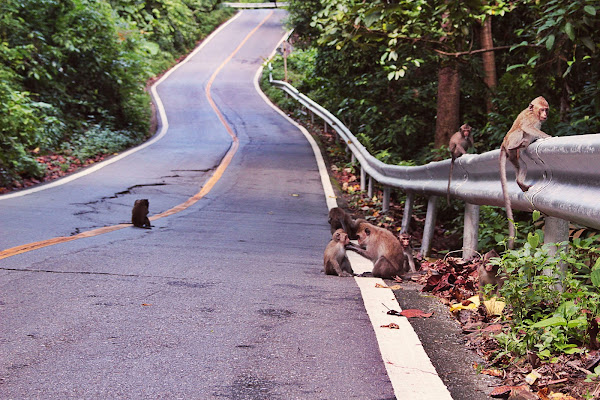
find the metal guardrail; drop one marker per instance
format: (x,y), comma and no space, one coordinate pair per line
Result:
(565,172)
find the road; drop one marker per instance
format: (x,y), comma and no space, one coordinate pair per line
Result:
(224,298)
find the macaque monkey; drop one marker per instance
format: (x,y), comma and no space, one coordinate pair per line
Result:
(335,260)
(460,142)
(407,249)
(524,131)
(139,214)
(340,219)
(381,247)
(488,273)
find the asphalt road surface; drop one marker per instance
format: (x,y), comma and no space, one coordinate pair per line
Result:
(224,299)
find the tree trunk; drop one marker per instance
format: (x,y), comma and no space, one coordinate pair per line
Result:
(448,104)
(489,61)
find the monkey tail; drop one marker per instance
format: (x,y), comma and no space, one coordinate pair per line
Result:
(507,204)
(449,181)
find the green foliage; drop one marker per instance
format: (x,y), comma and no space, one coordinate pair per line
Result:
(66,65)
(552,306)
(377,64)
(98,140)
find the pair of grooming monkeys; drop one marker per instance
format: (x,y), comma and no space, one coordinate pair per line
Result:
(391,256)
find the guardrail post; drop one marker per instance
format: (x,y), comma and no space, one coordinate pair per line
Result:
(407,215)
(324,126)
(556,230)
(363,179)
(386,199)
(312,117)
(471,231)
(429,226)
(370,188)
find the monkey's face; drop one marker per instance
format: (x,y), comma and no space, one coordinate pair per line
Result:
(540,108)
(491,268)
(543,114)
(465,130)
(363,236)
(341,237)
(405,241)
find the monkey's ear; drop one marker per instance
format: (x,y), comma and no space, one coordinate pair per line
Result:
(530,106)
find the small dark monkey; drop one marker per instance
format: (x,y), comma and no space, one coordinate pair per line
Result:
(381,247)
(139,214)
(488,273)
(340,219)
(524,131)
(335,260)
(460,142)
(407,249)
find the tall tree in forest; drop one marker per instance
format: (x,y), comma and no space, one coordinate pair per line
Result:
(489,60)
(448,103)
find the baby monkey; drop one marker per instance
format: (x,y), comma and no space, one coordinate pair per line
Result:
(489,274)
(409,260)
(335,260)
(139,214)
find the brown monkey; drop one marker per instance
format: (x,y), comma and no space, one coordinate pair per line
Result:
(139,214)
(340,219)
(381,247)
(335,260)
(407,250)
(460,142)
(524,131)
(488,273)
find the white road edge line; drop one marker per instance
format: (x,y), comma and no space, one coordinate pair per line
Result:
(163,128)
(410,370)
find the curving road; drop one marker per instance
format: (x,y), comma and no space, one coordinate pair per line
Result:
(225,298)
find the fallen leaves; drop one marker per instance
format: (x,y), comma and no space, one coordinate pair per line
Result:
(57,166)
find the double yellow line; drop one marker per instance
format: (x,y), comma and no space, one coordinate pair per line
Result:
(189,202)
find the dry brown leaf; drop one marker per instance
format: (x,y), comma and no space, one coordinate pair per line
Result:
(493,372)
(391,326)
(501,391)
(414,313)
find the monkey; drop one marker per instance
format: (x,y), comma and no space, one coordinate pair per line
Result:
(524,131)
(381,247)
(460,142)
(334,259)
(407,250)
(340,219)
(488,273)
(139,214)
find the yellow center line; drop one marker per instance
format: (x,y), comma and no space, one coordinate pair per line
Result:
(189,202)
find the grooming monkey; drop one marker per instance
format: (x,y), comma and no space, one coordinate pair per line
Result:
(139,214)
(460,142)
(334,259)
(524,131)
(381,247)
